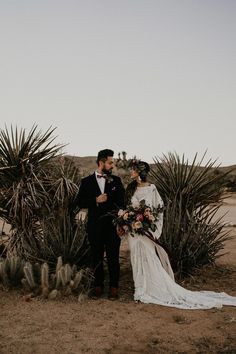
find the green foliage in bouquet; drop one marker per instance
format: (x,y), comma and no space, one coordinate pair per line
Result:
(193,233)
(138,220)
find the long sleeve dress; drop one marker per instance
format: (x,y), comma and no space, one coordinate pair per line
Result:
(153,277)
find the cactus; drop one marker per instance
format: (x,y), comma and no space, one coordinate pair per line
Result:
(34,277)
(44,275)
(78,278)
(16,265)
(11,270)
(25,284)
(58,276)
(52,280)
(74,270)
(58,280)
(59,264)
(3,274)
(62,275)
(44,279)
(37,272)
(68,273)
(28,271)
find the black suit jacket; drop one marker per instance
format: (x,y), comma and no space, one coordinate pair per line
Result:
(86,198)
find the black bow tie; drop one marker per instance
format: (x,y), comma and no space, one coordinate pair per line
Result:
(101,176)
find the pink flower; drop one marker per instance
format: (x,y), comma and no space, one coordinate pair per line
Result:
(139,217)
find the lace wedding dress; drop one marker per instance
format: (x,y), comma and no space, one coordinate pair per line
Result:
(153,277)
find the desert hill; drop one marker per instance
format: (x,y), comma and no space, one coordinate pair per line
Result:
(87,164)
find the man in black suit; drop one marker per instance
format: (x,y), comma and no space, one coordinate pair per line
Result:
(101,193)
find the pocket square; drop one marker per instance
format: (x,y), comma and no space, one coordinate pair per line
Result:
(113,189)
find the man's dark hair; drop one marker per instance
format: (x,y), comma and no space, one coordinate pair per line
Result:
(103,155)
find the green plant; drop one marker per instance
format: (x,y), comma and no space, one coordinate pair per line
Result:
(64,281)
(37,191)
(192,233)
(11,270)
(22,158)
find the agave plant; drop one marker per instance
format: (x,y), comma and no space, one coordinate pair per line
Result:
(192,233)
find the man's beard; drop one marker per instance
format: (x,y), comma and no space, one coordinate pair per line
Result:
(107,172)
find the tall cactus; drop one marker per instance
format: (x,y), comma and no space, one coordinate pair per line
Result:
(45,279)
(35,277)
(11,270)
(3,274)
(28,271)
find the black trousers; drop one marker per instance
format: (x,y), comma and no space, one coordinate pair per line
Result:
(104,239)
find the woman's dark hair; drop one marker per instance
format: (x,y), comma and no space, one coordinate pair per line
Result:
(103,155)
(143,169)
(129,192)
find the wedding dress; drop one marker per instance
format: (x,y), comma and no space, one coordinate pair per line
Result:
(153,277)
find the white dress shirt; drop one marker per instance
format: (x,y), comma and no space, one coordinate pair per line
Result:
(101,182)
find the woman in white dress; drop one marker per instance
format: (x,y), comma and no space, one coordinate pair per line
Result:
(152,273)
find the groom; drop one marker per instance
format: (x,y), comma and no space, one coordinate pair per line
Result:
(101,193)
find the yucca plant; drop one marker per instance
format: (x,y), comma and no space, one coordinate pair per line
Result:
(54,236)
(37,191)
(56,233)
(22,158)
(192,234)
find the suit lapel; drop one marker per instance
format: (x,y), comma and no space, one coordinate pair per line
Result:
(108,186)
(95,184)
(106,189)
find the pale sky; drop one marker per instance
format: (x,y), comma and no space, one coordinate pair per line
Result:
(144,76)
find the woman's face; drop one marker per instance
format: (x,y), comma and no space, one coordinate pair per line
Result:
(134,173)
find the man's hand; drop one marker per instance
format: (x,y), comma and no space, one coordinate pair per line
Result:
(102,198)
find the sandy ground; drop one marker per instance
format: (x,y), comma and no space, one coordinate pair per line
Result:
(123,326)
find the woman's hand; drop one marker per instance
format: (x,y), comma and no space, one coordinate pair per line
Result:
(120,231)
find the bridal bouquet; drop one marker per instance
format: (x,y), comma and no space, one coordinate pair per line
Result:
(140,219)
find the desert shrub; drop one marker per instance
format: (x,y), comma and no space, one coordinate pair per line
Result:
(37,191)
(192,233)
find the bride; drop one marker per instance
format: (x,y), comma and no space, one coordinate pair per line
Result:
(152,273)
